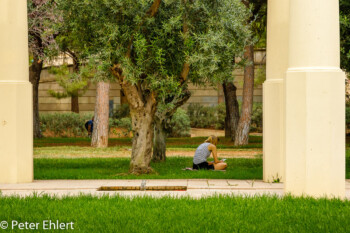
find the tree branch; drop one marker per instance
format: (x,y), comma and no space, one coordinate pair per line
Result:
(186,67)
(149,14)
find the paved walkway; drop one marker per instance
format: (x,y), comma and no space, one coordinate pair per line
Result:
(195,187)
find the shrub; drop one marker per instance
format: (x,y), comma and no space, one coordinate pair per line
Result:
(257,118)
(214,117)
(73,124)
(64,124)
(347,118)
(221,114)
(179,125)
(201,116)
(123,123)
(121,112)
(206,116)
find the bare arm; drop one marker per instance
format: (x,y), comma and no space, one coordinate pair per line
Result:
(212,148)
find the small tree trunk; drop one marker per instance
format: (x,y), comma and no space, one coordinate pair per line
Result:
(159,141)
(75,98)
(75,104)
(232,110)
(242,133)
(142,123)
(34,77)
(101,120)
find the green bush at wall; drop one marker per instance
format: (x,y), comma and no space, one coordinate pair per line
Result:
(179,125)
(73,124)
(214,117)
(202,116)
(121,112)
(196,116)
(257,118)
(347,116)
(64,124)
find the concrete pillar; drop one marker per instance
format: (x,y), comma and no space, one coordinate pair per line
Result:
(273,89)
(315,101)
(16,117)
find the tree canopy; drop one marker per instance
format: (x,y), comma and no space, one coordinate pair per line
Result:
(345,34)
(41,18)
(153,48)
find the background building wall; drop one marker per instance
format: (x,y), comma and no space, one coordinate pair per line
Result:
(205,95)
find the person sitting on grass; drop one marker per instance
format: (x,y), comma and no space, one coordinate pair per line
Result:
(203,152)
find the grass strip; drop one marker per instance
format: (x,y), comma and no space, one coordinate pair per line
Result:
(117,168)
(214,214)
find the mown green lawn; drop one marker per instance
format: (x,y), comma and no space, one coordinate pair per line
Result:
(117,168)
(214,214)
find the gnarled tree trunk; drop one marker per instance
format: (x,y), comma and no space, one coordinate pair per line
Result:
(159,141)
(142,124)
(242,133)
(101,118)
(143,105)
(34,77)
(161,118)
(232,110)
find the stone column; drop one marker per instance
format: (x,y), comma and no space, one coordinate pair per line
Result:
(273,89)
(16,134)
(315,101)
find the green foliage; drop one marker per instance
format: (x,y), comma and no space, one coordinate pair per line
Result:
(123,123)
(122,111)
(201,116)
(73,124)
(179,125)
(41,31)
(221,114)
(64,124)
(260,76)
(214,117)
(257,118)
(73,84)
(345,34)
(109,30)
(207,116)
(347,117)
(259,24)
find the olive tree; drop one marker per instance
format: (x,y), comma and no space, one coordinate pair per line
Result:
(42,46)
(153,48)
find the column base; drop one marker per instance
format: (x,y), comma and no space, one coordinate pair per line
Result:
(16,132)
(315,132)
(273,143)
